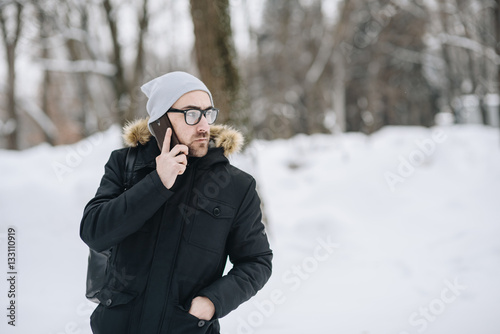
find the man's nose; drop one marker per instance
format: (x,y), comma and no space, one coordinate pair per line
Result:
(203,125)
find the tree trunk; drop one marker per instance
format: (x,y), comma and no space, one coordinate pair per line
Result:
(139,62)
(497,30)
(453,89)
(215,57)
(47,79)
(119,83)
(126,97)
(12,142)
(341,61)
(339,92)
(10,44)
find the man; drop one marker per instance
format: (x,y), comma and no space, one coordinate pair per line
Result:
(172,231)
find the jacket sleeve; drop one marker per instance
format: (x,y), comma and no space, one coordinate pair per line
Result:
(113,214)
(249,251)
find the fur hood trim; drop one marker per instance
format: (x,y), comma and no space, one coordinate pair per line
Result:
(231,140)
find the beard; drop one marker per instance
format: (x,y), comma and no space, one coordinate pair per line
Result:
(196,148)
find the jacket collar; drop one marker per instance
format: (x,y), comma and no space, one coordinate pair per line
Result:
(224,141)
(231,140)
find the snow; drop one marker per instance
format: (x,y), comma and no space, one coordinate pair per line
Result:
(356,251)
(78,66)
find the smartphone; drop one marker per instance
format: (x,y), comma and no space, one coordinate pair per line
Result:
(160,127)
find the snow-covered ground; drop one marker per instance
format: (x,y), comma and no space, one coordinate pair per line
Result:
(394,233)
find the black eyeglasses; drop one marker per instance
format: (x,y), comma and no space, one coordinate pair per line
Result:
(193,116)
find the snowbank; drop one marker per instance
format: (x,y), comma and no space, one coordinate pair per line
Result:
(392,233)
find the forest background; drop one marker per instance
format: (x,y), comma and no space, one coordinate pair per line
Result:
(72,68)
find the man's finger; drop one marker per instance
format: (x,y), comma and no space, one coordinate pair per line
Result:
(181,159)
(166,141)
(182,169)
(179,148)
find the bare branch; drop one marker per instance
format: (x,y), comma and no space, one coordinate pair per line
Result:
(119,83)
(143,26)
(17,33)
(39,116)
(323,56)
(78,66)
(470,44)
(4,27)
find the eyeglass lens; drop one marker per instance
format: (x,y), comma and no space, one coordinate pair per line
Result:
(193,116)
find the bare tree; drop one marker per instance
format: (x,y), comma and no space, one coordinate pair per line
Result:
(497,37)
(77,50)
(215,57)
(465,32)
(341,60)
(387,84)
(10,41)
(45,99)
(294,82)
(126,100)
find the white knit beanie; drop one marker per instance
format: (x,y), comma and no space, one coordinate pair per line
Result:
(164,91)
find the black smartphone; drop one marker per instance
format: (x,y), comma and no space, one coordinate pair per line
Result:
(160,127)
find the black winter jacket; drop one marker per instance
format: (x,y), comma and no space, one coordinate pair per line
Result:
(169,246)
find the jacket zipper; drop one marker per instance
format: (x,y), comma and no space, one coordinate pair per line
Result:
(186,205)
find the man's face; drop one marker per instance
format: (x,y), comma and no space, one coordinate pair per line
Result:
(195,137)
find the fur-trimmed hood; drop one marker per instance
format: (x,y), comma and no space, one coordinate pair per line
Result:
(229,139)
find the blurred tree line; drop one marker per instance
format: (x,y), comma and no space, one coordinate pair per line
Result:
(310,66)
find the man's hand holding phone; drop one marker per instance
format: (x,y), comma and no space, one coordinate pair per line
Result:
(171,162)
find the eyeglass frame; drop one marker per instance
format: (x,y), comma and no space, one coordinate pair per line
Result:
(202,113)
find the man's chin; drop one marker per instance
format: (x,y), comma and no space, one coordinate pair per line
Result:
(198,151)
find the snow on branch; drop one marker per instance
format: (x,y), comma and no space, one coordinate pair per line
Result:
(322,58)
(470,44)
(78,66)
(410,56)
(37,114)
(66,34)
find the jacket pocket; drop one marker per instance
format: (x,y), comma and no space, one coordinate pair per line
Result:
(211,224)
(110,297)
(184,322)
(114,314)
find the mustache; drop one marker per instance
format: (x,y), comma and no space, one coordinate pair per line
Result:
(200,136)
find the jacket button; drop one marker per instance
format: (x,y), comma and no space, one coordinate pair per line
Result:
(216,212)
(109,302)
(201,323)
